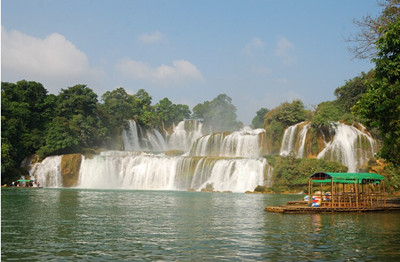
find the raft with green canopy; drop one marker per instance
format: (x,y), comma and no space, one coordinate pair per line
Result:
(350,189)
(24,180)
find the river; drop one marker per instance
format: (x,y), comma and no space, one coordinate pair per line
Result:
(102,225)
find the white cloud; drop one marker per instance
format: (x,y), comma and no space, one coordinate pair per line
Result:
(152,38)
(54,61)
(284,50)
(253,46)
(180,72)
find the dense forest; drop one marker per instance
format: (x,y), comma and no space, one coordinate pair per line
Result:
(78,121)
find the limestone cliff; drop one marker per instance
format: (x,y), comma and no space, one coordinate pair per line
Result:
(70,165)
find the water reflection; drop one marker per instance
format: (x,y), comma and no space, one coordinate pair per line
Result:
(88,225)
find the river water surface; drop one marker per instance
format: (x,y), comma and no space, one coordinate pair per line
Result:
(100,225)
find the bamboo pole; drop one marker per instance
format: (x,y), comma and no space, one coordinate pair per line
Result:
(384,195)
(331,192)
(309,192)
(356,187)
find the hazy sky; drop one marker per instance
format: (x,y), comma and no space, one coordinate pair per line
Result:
(260,53)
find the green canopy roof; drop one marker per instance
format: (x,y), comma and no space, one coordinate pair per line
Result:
(23,180)
(346,177)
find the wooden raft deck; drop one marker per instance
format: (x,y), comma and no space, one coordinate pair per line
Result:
(304,209)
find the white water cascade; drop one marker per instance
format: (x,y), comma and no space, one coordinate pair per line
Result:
(290,137)
(182,137)
(145,164)
(185,134)
(244,143)
(48,172)
(350,146)
(135,140)
(117,170)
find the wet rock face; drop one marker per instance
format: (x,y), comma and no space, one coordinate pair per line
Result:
(70,165)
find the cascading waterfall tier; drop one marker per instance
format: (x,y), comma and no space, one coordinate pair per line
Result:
(157,171)
(185,134)
(294,140)
(244,143)
(136,140)
(350,145)
(236,167)
(182,137)
(48,172)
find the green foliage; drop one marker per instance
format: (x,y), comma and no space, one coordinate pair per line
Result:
(349,94)
(327,112)
(380,103)
(75,100)
(169,113)
(287,113)
(75,124)
(258,120)
(219,114)
(25,112)
(290,172)
(118,105)
(392,174)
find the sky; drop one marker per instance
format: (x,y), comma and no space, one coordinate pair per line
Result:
(260,53)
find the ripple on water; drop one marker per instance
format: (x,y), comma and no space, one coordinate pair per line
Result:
(95,225)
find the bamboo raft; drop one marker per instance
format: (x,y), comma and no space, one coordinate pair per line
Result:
(304,209)
(348,192)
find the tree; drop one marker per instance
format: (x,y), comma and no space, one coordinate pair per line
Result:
(118,107)
(348,95)
(380,104)
(78,99)
(76,123)
(26,110)
(169,113)
(287,113)
(142,109)
(218,114)
(258,120)
(325,113)
(118,104)
(371,29)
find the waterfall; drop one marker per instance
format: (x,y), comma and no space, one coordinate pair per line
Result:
(293,140)
(350,146)
(287,140)
(182,137)
(151,171)
(185,134)
(244,143)
(346,144)
(48,172)
(130,137)
(226,161)
(302,135)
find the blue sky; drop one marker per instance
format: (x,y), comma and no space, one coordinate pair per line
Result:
(260,53)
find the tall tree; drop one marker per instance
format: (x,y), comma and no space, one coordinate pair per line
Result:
(219,114)
(170,113)
(76,125)
(26,110)
(371,30)
(380,104)
(258,120)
